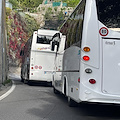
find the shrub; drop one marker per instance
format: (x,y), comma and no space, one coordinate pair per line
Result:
(8,11)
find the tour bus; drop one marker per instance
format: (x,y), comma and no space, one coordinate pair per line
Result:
(88,68)
(37,57)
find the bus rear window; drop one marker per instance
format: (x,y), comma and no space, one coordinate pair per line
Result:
(42,39)
(109,12)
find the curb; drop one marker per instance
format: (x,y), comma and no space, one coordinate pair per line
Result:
(9,91)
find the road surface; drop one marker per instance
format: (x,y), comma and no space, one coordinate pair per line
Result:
(38,102)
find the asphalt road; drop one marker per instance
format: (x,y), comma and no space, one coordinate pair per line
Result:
(38,102)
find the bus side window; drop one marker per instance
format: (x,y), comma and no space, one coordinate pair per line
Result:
(40,40)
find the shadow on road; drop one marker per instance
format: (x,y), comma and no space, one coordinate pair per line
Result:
(40,83)
(100,110)
(95,110)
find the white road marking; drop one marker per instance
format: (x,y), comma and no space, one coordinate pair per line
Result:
(8,92)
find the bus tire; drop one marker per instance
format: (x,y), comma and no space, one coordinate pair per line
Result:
(25,81)
(22,80)
(65,87)
(55,91)
(71,103)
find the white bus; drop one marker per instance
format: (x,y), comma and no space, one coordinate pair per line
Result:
(88,69)
(37,57)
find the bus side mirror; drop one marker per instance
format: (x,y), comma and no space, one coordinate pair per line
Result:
(53,46)
(22,53)
(54,42)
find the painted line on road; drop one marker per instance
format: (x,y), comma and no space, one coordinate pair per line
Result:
(8,92)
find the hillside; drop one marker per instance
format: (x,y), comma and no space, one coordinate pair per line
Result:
(19,28)
(35,3)
(39,14)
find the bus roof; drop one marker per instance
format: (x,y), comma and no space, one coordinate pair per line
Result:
(47,32)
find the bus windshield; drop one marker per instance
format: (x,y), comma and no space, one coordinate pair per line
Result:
(109,12)
(44,39)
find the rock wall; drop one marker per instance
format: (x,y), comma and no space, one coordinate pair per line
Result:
(18,32)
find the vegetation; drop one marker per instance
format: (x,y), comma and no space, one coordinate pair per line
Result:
(25,3)
(48,15)
(19,28)
(31,25)
(70,3)
(6,82)
(60,15)
(35,3)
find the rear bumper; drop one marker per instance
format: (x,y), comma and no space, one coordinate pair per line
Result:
(89,95)
(42,80)
(40,76)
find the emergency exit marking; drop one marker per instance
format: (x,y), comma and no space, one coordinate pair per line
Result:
(40,67)
(103,31)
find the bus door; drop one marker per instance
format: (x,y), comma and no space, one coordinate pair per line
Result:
(111,66)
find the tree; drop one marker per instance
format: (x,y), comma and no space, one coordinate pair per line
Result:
(73,3)
(25,3)
(60,15)
(14,3)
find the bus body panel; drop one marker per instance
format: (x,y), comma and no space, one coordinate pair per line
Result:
(111,66)
(90,39)
(43,66)
(71,66)
(67,73)
(38,61)
(91,95)
(90,35)
(57,76)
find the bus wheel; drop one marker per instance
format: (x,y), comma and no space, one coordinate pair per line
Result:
(22,80)
(25,81)
(55,91)
(71,103)
(65,87)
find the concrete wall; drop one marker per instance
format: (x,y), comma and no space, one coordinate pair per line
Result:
(3,47)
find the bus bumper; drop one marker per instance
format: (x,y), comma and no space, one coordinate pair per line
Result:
(89,95)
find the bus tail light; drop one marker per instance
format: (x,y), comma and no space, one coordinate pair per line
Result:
(86,49)
(31,67)
(79,79)
(92,81)
(86,58)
